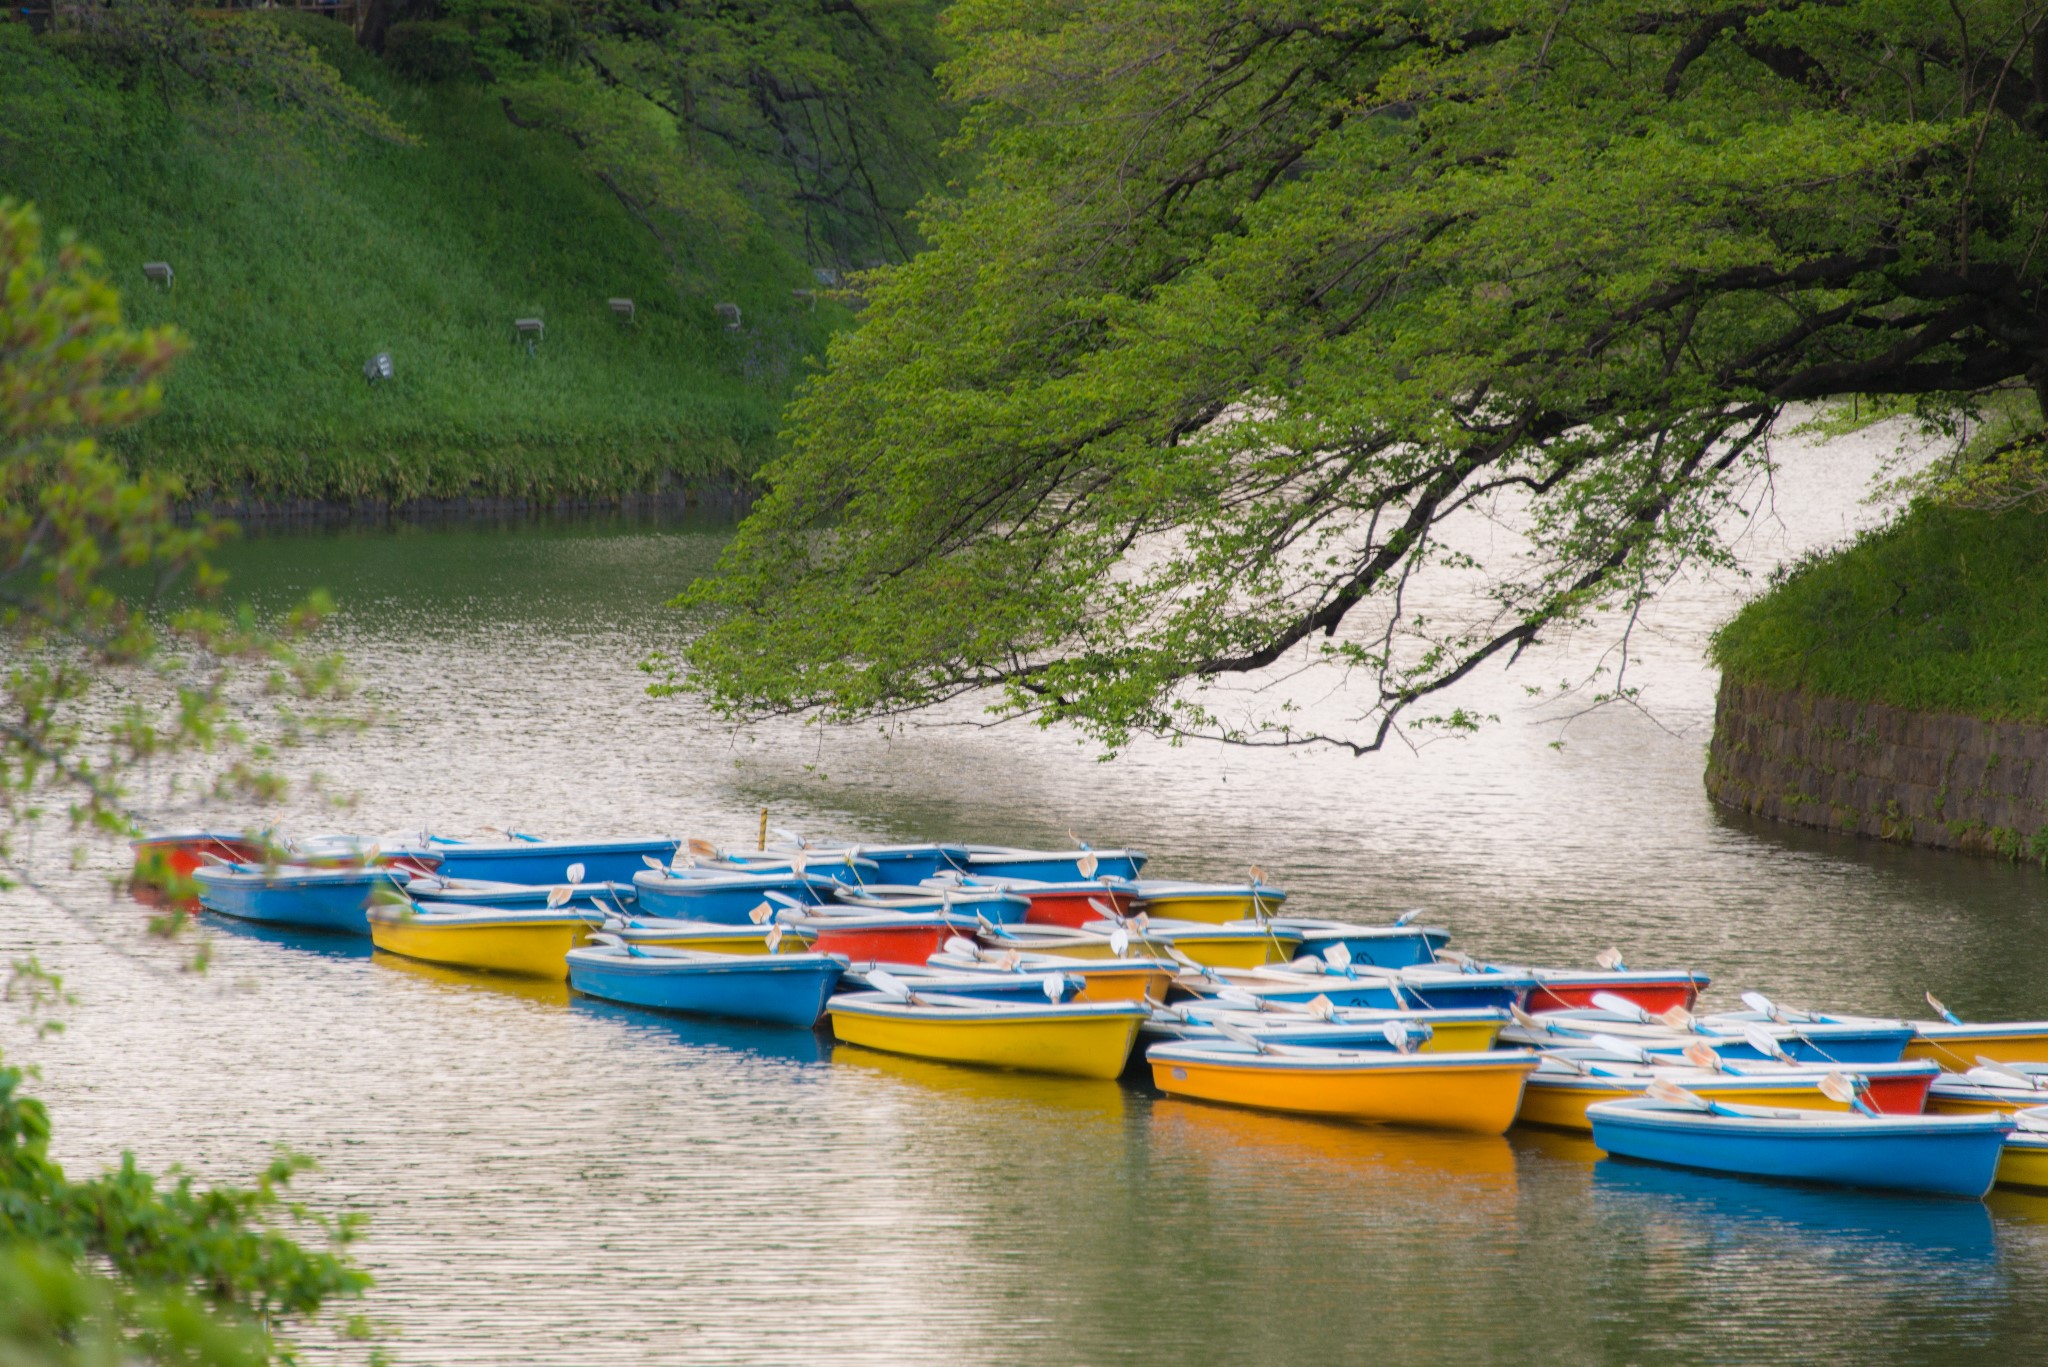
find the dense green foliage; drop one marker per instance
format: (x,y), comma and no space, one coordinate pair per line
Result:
(1259,317)
(421,217)
(120,1269)
(194,1274)
(1941,611)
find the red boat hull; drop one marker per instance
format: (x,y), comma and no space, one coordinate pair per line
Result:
(1562,994)
(1072,909)
(906,944)
(1898,1095)
(180,856)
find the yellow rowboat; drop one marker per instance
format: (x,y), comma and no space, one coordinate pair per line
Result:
(1074,1039)
(1214,946)
(1474,1092)
(1102,980)
(1208,903)
(1958,1047)
(711,937)
(2024,1160)
(533,944)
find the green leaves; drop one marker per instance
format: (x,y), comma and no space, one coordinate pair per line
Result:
(191,1274)
(1254,313)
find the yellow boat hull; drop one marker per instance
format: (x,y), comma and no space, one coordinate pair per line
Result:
(1212,911)
(1461,1037)
(1937,1104)
(2024,1046)
(1234,952)
(1081,1046)
(1564,1107)
(1112,984)
(538,949)
(2023,1165)
(1479,1099)
(720,944)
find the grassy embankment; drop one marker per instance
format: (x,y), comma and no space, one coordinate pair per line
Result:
(1943,610)
(295,263)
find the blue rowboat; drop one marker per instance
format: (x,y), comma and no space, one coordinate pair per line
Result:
(1052,866)
(477,892)
(838,865)
(294,895)
(1311,1034)
(526,860)
(991,904)
(777,989)
(988,986)
(700,894)
(892,863)
(1378,946)
(1389,989)
(1874,1042)
(1943,1155)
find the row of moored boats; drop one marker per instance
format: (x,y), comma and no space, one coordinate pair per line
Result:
(1073,962)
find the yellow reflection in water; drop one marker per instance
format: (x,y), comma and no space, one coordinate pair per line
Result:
(1377,1156)
(1565,1145)
(1102,1099)
(542,990)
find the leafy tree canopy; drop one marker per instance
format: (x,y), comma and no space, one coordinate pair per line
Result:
(1251,305)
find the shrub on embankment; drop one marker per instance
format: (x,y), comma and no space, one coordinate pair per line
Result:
(1943,610)
(299,257)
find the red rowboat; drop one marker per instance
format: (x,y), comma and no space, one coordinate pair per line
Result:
(178,853)
(1560,989)
(903,937)
(1064,904)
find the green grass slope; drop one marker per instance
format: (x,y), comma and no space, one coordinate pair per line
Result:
(1944,610)
(295,263)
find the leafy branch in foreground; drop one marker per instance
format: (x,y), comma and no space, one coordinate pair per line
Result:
(122,1267)
(193,1274)
(90,554)
(1261,319)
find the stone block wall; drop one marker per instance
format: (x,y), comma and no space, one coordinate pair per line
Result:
(1920,778)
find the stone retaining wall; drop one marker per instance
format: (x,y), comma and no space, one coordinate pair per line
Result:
(1920,778)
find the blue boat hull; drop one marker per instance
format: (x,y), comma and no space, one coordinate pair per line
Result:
(534,898)
(1462,994)
(775,990)
(1056,870)
(341,907)
(1954,1164)
(910,866)
(1384,951)
(1874,1050)
(726,906)
(602,860)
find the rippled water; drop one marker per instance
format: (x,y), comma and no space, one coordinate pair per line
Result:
(555,1181)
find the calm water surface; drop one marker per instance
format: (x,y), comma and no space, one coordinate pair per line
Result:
(551,1180)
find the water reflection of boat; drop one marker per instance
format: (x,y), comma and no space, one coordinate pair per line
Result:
(547,991)
(1383,1154)
(1100,1098)
(765,1041)
(330,944)
(1924,1226)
